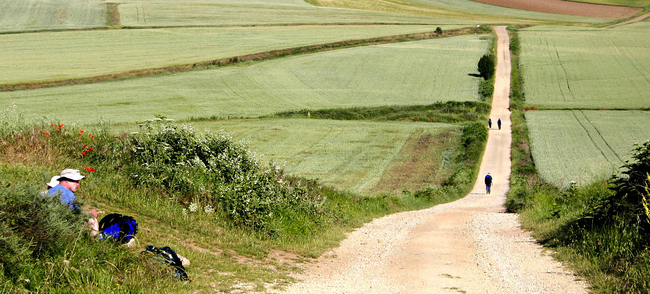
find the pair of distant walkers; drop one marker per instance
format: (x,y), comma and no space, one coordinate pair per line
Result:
(498,123)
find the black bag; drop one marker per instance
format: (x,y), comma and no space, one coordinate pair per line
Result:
(168,256)
(120,228)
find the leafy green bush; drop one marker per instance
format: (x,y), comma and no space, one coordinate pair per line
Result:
(213,170)
(32,225)
(486,88)
(487,66)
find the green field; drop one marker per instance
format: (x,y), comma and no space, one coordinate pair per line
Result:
(30,15)
(411,73)
(50,56)
(630,3)
(362,157)
(587,68)
(584,146)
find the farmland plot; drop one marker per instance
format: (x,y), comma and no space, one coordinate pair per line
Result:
(31,15)
(136,13)
(470,11)
(586,68)
(410,73)
(64,55)
(584,146)
(363,157)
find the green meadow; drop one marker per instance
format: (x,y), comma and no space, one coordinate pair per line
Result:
(584,145)
(411,73)
(586,68)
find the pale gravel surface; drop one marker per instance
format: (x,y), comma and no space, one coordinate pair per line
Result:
(467,246)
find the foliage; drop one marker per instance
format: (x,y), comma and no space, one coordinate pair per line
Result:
(213,170)
(487,66)
(441,112)
(32,226)
(486,88)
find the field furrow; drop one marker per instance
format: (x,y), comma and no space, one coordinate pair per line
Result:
(584,146)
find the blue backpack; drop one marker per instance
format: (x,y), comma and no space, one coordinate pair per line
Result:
(120,228)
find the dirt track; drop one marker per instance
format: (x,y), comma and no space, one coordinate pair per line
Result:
(468,246)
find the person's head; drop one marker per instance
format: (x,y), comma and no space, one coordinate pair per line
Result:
(53,182)
(70,178)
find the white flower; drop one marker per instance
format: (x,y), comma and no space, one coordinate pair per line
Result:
(193,207)
(208,209)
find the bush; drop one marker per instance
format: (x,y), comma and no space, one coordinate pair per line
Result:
(213,170)
(32,225)
(486,66)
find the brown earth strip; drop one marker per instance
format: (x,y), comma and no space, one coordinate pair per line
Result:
(567,7)
(112,15)
(419,163)
(238,59)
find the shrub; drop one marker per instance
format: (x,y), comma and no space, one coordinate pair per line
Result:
(486,66)
(32,225)
(439,31)
(213,170)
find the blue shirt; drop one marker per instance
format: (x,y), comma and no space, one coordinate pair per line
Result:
(67,196)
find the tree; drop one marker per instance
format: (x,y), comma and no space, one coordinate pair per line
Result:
(486,66)
(438,31)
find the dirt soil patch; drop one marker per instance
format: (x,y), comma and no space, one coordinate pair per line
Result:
(567,7)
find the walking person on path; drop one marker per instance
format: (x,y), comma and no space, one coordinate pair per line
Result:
(488,183)
(490,123)
(499,123)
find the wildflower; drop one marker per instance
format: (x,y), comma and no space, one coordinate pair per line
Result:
(91,148)
(81,131)
(61,125)
(193,207)
(208,209)
(84,153)
(51,125)
(85,145)
(184,211)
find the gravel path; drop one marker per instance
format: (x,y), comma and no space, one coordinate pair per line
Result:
(467,246)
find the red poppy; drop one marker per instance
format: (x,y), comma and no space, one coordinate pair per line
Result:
(51,125)
(81,131)
(61,125)
(88,169)
(91,148)
(93,169)
(84,153)
(85,145)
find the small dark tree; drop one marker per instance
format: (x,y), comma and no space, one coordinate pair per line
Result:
(486,66)
(438,31)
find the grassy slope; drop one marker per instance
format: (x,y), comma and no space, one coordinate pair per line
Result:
(342,78)
(50,56)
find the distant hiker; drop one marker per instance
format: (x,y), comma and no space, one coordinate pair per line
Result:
(67,186)
(488,183)
(490,123)
(499,123)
